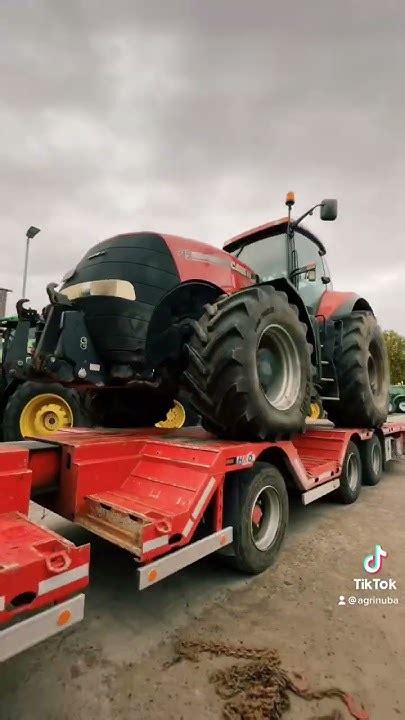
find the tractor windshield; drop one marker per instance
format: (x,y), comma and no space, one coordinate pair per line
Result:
(268,257)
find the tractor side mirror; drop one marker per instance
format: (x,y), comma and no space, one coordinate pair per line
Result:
(329,209)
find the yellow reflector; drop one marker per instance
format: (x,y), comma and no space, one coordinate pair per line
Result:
(152,575)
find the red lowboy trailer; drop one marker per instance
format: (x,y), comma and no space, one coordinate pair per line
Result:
(168,497)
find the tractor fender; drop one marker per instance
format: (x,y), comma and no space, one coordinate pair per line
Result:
(185,301)
(334,305)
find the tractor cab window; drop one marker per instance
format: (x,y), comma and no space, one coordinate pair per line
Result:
(307,252)
(268,257)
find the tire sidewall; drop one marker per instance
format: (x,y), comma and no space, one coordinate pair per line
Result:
(345,493)
(26,392)
(254,559)
(381,401)
(278,311)
(370,477)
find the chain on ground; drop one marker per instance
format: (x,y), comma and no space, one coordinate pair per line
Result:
(259,689)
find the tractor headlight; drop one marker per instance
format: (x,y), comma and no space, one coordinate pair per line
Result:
(105,288)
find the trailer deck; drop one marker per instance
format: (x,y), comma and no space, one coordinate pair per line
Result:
(156,493)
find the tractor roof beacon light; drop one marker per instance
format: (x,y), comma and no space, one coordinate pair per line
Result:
(289,201)
(31,232)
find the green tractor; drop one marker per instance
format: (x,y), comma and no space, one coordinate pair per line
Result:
(33,406)
(29,408)
(397,399)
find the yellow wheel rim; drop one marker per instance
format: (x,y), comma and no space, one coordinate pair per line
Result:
(175,418)
(315,411)
(44,415)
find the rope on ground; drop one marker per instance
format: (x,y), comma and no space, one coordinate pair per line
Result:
(261,688)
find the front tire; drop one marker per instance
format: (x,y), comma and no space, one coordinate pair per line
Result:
(38,409)
(256,506)
(249,370)
(362,373)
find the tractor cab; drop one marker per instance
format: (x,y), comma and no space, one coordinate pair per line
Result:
(285,249)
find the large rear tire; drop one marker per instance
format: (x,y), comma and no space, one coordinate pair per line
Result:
(249,368)
(38,409)
(363,374)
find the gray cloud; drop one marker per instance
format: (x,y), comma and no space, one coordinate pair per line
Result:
(195,118)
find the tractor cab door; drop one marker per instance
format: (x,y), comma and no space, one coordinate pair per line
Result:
(311,290)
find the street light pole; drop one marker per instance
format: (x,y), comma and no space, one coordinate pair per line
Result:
(31,232)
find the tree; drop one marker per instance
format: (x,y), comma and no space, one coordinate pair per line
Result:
(396,352)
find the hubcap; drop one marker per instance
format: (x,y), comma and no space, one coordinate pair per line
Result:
(278,367)
(376,458)
(175,418)
(352,471)
(45,414)
(401,406)
(265,517)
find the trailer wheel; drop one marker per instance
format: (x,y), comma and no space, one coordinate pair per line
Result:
(351,477)
(256,506)
(38,409)
(372,460)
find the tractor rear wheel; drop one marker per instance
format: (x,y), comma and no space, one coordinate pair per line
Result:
(362,373)
(249,368)
(38,409)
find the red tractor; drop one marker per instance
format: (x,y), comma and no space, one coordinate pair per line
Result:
(253,333)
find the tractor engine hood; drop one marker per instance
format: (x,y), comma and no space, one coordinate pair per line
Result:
(117,284)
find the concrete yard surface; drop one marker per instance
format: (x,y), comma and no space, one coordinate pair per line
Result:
(119,662)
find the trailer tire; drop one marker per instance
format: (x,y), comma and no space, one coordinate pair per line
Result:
(351,477)
(256,506)
(372,459)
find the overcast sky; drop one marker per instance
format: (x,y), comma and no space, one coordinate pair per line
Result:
(194,117)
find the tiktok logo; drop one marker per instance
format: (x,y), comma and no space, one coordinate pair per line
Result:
(373,563)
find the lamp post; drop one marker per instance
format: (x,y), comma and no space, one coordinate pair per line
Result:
(31,232)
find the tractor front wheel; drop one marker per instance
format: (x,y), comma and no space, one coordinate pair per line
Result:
(39,410)
(249,371)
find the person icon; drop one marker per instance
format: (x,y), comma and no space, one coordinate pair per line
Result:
(342,600)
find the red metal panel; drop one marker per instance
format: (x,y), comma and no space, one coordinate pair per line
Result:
(37,567)
(197,260)
(15,478)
